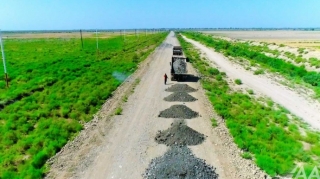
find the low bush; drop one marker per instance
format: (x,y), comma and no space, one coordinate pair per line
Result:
(118,111)
(214,122)
(250,91)
(246,155)
(238,81)
(258,72)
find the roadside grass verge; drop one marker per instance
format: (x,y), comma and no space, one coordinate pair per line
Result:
(244,50)
(263,131)
(55,87)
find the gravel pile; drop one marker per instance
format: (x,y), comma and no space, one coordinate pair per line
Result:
(179,134)
(177,163)
(178,111)
(180,88)
(180,96)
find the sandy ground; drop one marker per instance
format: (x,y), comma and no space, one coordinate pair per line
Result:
(307,109)
(128,146)
(299,39)
(311,48)
(274,34)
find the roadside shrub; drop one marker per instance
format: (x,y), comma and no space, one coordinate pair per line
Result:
(246,155)
(118,111)
(258,72)
(238,81)
(40,159)
(213,71)
(250,91)
(313,79)
(311,138)
(125,98)
(214,122)
(314,62)
(267,163)
(316,149)
(219,77)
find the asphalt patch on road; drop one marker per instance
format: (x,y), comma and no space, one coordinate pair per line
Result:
(179,134)
(180,96)
(178,111)
(181,88)
(177,163)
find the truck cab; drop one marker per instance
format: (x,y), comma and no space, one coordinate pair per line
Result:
(177,50)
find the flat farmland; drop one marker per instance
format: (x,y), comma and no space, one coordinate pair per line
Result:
(73,34)
(55,87)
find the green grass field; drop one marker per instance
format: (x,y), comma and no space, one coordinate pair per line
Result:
(262,129)
(55,85)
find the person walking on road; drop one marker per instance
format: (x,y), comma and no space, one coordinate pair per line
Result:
(165,78)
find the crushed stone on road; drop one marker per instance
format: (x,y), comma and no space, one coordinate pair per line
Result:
(179,134)
(180,88)
(180,96)
(179,162)
(178,111)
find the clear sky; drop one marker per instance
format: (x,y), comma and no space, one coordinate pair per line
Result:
(119,14)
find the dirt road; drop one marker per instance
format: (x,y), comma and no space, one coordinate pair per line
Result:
(307,109)
(128,146)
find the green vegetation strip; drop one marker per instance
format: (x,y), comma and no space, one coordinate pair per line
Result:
(261,129)
(54,86)
(264,47)
(244,50)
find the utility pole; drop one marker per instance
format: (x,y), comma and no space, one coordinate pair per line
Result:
(4,61)
(81,38)
(97,39)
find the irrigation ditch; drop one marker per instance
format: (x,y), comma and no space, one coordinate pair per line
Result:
(179,161)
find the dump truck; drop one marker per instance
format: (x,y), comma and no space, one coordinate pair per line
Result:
(177,50)
(178,67)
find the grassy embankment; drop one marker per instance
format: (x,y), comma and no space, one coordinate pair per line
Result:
(242,50)
(54,87)
(261,129)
